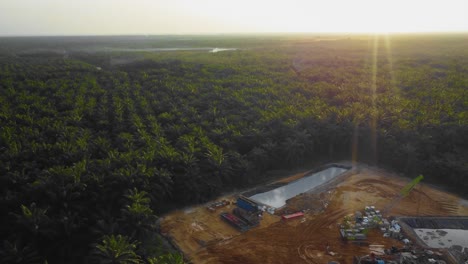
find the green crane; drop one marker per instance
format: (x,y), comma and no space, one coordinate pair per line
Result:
(403,193)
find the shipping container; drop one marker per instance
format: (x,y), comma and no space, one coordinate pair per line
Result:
(234,221)
(247,205)
(291,216)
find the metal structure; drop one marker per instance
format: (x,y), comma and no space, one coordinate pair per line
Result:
(247,204)
(235,221)
(403,193)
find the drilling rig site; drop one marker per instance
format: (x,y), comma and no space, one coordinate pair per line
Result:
(338,213)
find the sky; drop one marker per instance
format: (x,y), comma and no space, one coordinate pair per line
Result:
(122,17)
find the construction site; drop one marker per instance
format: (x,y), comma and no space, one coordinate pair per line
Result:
(337,213)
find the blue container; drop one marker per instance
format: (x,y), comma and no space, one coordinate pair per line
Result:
(241,203)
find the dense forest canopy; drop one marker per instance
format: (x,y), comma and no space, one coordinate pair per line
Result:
(97,139)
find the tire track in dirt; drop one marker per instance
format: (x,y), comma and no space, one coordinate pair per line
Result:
(323,221)
(303,251)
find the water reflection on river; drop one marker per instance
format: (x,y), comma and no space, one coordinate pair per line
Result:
(212,50)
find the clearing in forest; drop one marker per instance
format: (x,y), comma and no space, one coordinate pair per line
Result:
(204,238)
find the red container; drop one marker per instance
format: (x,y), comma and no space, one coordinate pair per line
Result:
(292,216)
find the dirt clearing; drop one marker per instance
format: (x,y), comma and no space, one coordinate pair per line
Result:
(204,238)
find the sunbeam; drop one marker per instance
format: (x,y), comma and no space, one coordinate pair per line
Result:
(388,50)
(373,121)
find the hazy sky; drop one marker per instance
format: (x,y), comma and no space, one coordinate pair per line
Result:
(96,17)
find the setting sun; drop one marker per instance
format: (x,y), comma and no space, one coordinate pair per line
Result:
(26,17)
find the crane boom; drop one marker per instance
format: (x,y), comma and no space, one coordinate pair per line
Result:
(403,193)
(409,187)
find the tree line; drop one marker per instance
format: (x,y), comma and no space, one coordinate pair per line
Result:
(93,146)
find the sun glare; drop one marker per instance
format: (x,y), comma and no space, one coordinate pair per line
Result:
(337,16)
(241,16)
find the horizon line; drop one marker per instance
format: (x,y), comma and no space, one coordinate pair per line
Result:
(240,33)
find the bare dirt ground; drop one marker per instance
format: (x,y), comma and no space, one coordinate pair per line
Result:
(204,238)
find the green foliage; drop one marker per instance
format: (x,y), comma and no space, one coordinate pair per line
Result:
(116,250)
(17,252)
(88,152)
(170,258)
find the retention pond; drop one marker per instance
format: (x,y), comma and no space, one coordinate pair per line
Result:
(440,232)
(277,197)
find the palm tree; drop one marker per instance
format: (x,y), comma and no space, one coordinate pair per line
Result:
(35,220)
(170,258)
(297,146)
(216,156)
(18,252)
(293,151)
(116,250)
(218,160)
(137,216)
(258,158)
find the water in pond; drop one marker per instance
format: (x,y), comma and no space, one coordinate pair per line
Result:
(443,238)
(277,197)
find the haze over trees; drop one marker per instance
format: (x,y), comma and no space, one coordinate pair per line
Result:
(95,142)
